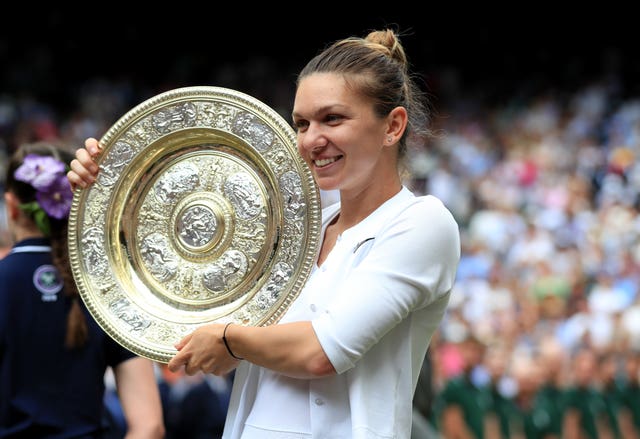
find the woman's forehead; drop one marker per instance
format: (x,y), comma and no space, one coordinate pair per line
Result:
(323,90)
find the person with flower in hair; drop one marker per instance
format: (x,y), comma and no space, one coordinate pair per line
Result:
(53,355)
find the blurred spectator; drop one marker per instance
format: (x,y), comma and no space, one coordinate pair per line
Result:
(423,402)
(195,406)
(203,408)
(533,412)
(460,407)
(610,374)
(629,413)
(585,410)
(43,316)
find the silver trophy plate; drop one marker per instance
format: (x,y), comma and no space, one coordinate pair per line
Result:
(203,211)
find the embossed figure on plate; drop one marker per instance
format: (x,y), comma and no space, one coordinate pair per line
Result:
(124,311)
(116,161)
(95,253)
(244,195)
(175,117)
(197,226)
(158,257)
(249,127)
(227,272)
(180,179)
(294,197)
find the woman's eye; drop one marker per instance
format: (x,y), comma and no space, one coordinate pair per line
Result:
(333,118)
(299,125)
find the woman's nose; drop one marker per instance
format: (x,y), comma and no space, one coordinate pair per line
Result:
(312,138)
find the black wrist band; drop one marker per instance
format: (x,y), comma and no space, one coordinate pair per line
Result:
(224,339)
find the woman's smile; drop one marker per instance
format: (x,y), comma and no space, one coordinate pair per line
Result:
(321,163)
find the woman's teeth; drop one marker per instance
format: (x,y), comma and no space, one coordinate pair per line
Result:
(324,162)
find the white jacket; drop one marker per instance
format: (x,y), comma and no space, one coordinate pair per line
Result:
(374,305)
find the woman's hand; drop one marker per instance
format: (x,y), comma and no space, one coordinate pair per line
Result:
(84,168)
(203,350)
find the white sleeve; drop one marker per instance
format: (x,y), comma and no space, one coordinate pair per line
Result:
(411,263)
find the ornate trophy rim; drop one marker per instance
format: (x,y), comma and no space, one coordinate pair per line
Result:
(203,212)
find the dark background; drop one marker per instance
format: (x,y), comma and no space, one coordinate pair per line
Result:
(493,52)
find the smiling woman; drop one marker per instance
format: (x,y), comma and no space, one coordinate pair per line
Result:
(381,281)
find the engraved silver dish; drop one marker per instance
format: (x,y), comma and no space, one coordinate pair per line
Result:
(202,212)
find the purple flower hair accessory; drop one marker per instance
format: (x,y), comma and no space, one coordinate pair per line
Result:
(39,171)
(47,175)
(56,198)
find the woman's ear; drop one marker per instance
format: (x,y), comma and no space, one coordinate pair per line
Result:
(12,205)
(397,124)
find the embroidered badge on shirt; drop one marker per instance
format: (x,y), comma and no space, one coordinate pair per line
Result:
(47,280)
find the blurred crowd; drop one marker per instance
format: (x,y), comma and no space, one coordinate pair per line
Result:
(546,189)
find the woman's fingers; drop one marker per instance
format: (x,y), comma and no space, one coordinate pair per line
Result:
(182,343)
(93,147)
(84,169)
(80,175)
(179,360)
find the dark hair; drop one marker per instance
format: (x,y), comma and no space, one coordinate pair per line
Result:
(377,67)
(77,331)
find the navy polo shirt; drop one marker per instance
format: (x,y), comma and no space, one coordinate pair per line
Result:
(47,390)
